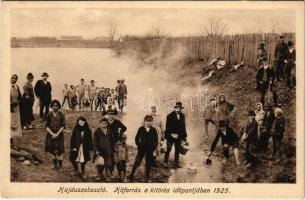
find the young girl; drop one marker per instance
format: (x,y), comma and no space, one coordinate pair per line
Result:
(102,146)
(55,125)
(120,155)
(81,145)
(259,117)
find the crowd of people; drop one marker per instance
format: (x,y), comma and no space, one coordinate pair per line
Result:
(108,141)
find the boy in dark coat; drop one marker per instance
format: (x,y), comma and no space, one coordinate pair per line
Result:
(175,132)
(250,136)
(43,91)
(81,145)
(278,130)
(117,128)
(146,141)
(28,102)
(228,139)
(102,146)
(268,123)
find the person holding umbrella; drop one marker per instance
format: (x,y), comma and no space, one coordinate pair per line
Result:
(43,91)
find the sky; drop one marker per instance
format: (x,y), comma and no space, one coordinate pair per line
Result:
(91,22)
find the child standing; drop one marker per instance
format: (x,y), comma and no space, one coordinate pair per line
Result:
(120,155)
(146,141)
(55,125)
(81,145)
(102,146)
(278,130)
(73,97)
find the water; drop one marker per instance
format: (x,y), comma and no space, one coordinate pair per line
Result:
(145,88)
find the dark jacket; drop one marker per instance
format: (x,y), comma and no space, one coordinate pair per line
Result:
(146,140)
(281,51)
(77,140)
(291,58)
(43,91)
(173,125)
(268,120)
(103,143)
(115,126)
(260,75)
(251,130)
(279,126)
(230,138)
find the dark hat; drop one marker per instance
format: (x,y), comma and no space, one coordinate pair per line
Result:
(45,74)
(260,45)
(222,123)
(290,43)
(30,75)
(111,111)
(282,36)
(251,113)
(178,105)
(268,105)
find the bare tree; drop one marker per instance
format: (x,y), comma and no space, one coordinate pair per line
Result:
(156,30)
(113,33)
(215,27)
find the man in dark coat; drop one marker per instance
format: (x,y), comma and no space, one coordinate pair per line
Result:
(28,101)
(228,139)
(117,128)
(280,56)
(290,65)
(265,80)
(146,141)
(175,132)
(249,137)
(43,91)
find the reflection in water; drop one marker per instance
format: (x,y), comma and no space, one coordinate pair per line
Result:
(146,87)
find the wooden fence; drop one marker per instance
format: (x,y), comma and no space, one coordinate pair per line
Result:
(233,48)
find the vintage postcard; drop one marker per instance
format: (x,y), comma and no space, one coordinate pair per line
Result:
(152,99)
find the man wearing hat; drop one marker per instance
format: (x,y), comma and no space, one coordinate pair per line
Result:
(228,139)
(43,91)
(249,137)
(28,102)
(117,128)
(280,56)
(175,132)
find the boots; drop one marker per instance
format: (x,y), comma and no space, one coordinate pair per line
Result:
(147,171)
(55,166)
(60,168)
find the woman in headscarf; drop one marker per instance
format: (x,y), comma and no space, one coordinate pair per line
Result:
(15,100)
(259,117)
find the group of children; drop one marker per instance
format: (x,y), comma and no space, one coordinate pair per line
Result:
(108,143)
(93,98)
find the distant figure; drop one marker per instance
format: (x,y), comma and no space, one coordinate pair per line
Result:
(43,91)
(290,66)
(209,115)
(81,94)
(280,56)
(262,53)
(28,102)
(55,125)
(175,133)
(122,94)
(92,93)
(15,100)
(228,139)
(72,97)
(146,141)
(65,93)
(81,145)
(265,81)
